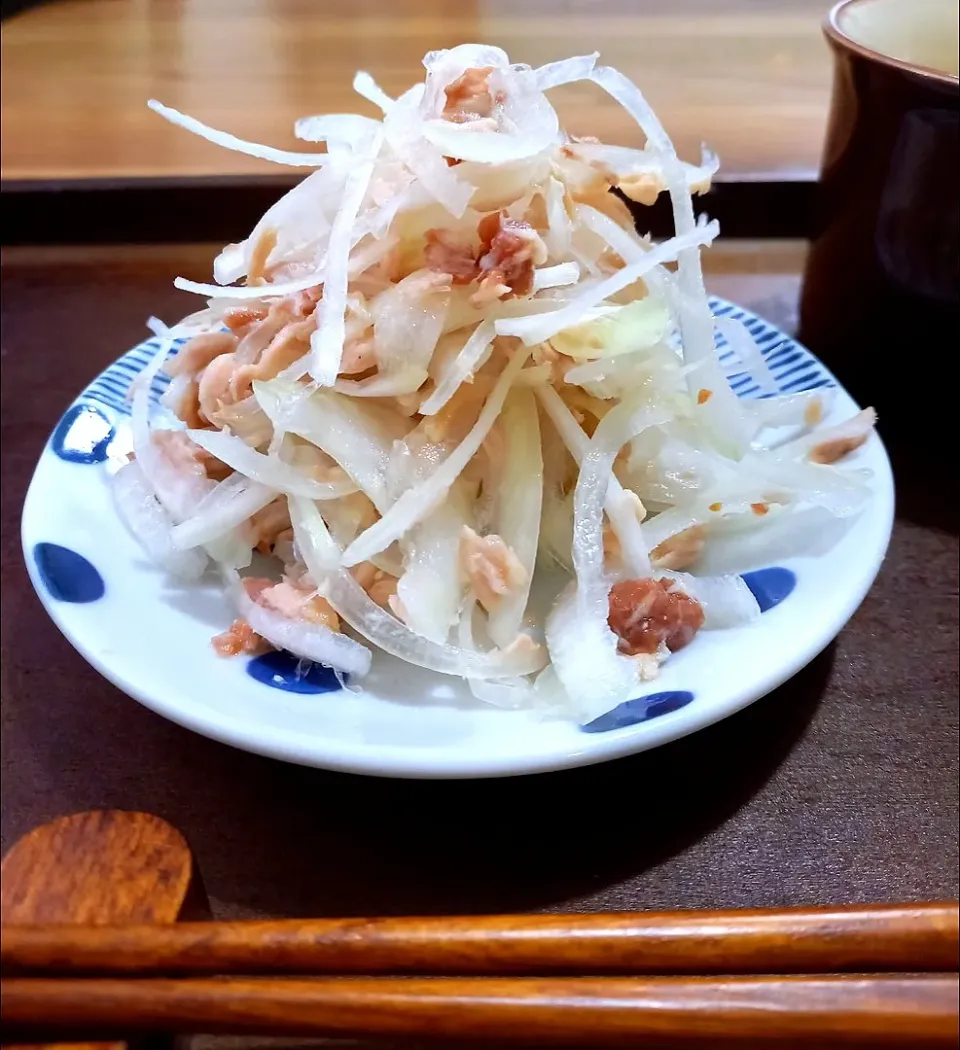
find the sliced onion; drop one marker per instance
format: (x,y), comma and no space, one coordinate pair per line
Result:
(593,375)
(807,408)
(352,433)
(509,694)
(393,384)
(540,327)
(408,318)
(565,71)
(529,126)
(744,541)
(525,122)
(430,588)
(634,548)
(228,505)
(611,677)
(368,88)
(300,222)
(856,428)
(231,264)
(404,130)
(624,242)
(228,141)
(252,291)
(362,257)
(767,480)
(558,235)
(558,276)
(474,353)
(751,359)
(419,500)
(445,66)
(150,525)
(519,504)
(326,341)
(583,655)
(626,164)
(549,696)
(339,127)
(628,246)
(310,641)
(726,600)
(343,592)
(270,471)
(173,395)
(178,491)
(721,412)
(779,471)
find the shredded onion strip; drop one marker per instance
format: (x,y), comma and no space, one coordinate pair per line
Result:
(270,471)
(611,677)
(150,524)
(231,142)
(222,510)
(520,499)
(460,370)
(310,641)
(419,500)
(387,632)
(326,342)
(618,505)
(537,328)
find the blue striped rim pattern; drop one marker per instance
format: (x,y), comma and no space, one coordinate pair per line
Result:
(112,386)
(793,368)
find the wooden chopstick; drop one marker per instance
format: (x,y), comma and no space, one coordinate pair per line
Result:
(902,938)
(600,1012)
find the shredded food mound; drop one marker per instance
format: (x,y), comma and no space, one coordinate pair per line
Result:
(447,368)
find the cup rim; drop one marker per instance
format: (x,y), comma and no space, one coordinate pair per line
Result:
(836,36)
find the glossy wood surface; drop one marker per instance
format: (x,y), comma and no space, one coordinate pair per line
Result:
(106,867)
(99,867)
(611,1012)
(900,938)
(749,77)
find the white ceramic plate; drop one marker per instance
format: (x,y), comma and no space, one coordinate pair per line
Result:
(151,638)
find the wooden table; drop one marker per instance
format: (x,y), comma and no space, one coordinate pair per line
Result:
(84,161)
(840,786)
(749,77)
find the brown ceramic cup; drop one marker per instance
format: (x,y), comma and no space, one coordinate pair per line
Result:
(880,291)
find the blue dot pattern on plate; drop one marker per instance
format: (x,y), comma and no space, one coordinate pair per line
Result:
(770,586)
(68,576)
(641,709)
(83,435)
(285,671)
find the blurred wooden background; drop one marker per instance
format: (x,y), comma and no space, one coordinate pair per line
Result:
(750,77)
